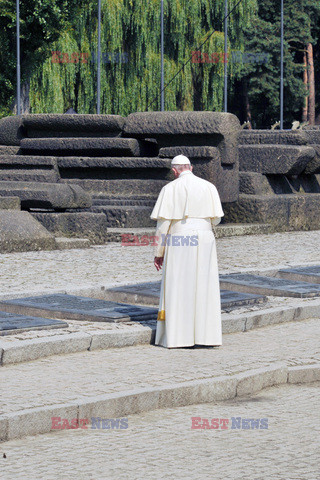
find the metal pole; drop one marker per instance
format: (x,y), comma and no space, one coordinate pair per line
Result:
(281,71)
(225,56)
(162,58)
(18,60)
(99,57)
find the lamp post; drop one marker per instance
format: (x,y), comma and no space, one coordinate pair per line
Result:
(225,55)
(281,71)
(18,59)
(99,57)
(162,58)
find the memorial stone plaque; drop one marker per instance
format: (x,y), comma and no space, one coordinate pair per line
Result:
(303,274)
(78,308)
(149,293)
(248,283)
(12,323)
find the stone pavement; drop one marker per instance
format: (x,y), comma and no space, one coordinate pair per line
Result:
(79,376)
(161,444)
(110,265)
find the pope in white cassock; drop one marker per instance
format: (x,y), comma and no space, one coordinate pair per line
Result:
(189,309)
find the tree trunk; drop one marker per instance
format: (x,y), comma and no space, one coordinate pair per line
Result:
(311,105)
(305,81)
(246,104)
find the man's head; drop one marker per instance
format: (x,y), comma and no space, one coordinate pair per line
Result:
(179,164)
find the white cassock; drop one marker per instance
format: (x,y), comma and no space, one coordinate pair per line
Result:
(189,308)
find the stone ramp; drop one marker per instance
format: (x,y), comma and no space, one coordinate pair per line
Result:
(71,307)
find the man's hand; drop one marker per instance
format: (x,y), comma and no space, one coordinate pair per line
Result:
(158,261)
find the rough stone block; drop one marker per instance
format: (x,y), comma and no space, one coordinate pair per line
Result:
(90,146)
(313,133)
(27,168)
(46,195)
(273,137)
(20,232)
(90,164)
(11,130)
(172,124)
(126,216)
(80,224)
(314,165)
(55,125)
(284,212)
(9,150)
(254,184)
(10,203)
(274,159)
(120,187)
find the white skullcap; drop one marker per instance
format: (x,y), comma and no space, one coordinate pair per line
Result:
(180,160)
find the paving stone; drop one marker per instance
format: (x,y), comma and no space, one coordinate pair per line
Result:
(244,282)
(10,323)
(78,308)
(149,293)
(303,274)
(286,450)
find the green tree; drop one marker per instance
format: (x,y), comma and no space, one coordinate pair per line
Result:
(260,84)
(133,28)
(41,23)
